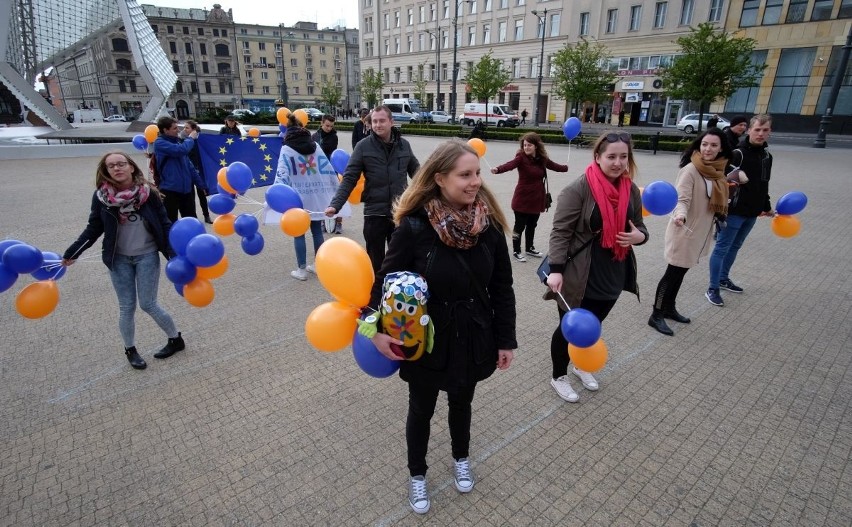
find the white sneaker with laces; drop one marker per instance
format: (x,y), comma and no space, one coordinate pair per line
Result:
(464,476)
(310,268)
(587,378)
(564,389)
(418,496)
(299,274)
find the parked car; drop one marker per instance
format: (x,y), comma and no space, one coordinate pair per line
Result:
(314,114)
(689,123)
(241,112)
(439,116)
(115,117)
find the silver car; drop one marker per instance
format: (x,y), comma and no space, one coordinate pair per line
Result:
(440,116)
(689,123)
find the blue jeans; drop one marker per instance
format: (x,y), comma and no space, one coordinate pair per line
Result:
(134,276)
(728,244)
(302,246)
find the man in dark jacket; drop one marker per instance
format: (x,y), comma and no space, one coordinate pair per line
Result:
(748,202)
(735,131)
(177,174)
(386,159)
(326,138)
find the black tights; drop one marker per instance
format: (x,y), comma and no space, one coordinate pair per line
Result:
(558,344)
(421,407)
(668,288)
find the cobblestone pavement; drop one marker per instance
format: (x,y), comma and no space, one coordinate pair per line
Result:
(742,418)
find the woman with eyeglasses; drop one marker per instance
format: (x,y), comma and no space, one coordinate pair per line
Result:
(131,217)
(598,219)
(702,194)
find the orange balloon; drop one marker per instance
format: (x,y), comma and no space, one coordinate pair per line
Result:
(478,145)
(254,132)
(786,226)
(295,222)
(38,300)
(214,271)
(355,196)
(344,269)
(282,114)
(302,116)
(222,179)
(645,212)
(151,133)
(199,292)
(331,326)
(224,225)
(589,359)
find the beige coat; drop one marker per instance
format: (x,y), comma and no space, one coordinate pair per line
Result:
(685,245)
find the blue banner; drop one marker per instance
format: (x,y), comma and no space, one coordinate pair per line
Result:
(259,153)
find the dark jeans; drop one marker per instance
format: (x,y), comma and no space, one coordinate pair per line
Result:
(176,202)
(421,407)
(377,233)
(202,200)
(728,244)
(668,288)
(558,343)
(524,222)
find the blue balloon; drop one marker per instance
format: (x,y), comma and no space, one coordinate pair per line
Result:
(581,327)
(791,203)
(221,203)
(253,244)
(184,230)
(179,289)
(245,224)
(5,244)
(7,278)
(339,160)
(22,258)
(370,360)
(205,250)
(140,142)
(51,268)
(180,271)
(282,129)
(571,128)
(281,198)
(660,198)
(239,176)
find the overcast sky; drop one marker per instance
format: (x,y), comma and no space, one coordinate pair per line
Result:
(326,13)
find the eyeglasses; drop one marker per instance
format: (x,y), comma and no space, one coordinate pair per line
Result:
(614,137)
(120,164)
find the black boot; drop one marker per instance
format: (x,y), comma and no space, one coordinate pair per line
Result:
(207,219)
(672,314)
(172,346)
(135,360)
(657,322)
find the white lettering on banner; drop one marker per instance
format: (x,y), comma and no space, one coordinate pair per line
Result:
(633,85)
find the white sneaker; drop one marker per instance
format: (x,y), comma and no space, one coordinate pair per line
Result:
(299,274)
(587,378)
(418,496)
(564,389)
(310,268)
(464,476)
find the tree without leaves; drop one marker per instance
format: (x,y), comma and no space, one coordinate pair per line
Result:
(330,94)
(713,66)
(486,78)
(371,85)
(579,75)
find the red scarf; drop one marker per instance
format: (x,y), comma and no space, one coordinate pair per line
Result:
(612,199)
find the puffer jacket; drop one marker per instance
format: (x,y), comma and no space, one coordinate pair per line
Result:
(177,173)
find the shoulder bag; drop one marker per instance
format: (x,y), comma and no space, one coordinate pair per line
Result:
(544,267)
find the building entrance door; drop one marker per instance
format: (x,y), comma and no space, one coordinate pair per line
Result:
(672,113)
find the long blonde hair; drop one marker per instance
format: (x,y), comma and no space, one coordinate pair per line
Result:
(424,188)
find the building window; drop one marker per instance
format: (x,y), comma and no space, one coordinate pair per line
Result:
(208,88)
(686,9)
(791,80)
(519,29)
(487,6)
(501,32)
(845,9)
(122,86)
(555,20)
(205,67)
(471,36)
(472,7)
(225,34)
(170,30)
(185,30)
(215,34)
(504,4)
(410,17)
(202,47)
(172,47)
(446,9)
(175,66)
(843,106)
(772,12)
(749,16)
(486,33)
(122,64)
(822,9)
(261,46)
(132,86)
(584,24)
(396,19)
(516,68)
(187,46)
(715,10)
(611,20)
(409,72)
(200,34)
(120,44)
(222,50)
(796,11)
(744,100)
(660,14)
(635,17)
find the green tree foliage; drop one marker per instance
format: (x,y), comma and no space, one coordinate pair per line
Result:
(713,65)
(330,95)
(486,78)
(371,86)
(578,74)
(420,83)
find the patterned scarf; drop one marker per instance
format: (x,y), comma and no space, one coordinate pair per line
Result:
(126,201)
(612,199)
(458,228)
(714,171)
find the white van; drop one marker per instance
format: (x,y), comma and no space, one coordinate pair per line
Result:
(404,110)
(88,116)
(499,114)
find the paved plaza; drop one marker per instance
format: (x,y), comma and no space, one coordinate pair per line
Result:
(742,418)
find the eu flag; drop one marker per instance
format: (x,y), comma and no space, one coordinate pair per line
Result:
(259,153)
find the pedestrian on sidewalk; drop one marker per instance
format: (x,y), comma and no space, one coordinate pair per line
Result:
(524,116)
(132,219)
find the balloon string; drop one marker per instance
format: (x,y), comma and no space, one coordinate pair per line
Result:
(568,161)
(563,300)
(487,163)
(671,218)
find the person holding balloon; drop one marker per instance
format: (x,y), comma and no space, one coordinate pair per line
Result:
(598,220)
(702,192)
(451,232)
(528,200)
(749,201)
(133,221)
(177,174)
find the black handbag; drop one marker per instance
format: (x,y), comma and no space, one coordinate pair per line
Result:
(544,267)
(548,199)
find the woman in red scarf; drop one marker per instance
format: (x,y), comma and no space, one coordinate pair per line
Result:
(598,219)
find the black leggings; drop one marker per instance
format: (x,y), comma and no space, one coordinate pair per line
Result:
(558,343)
(668,288)
(202,200)
(421,407)
(524,222)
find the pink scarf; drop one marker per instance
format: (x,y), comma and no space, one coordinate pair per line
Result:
(126,201)
(612,200)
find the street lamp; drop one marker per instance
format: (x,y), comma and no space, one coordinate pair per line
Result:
(455,64)
(839,75)
(437,38)
(283,87)
(542,19)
